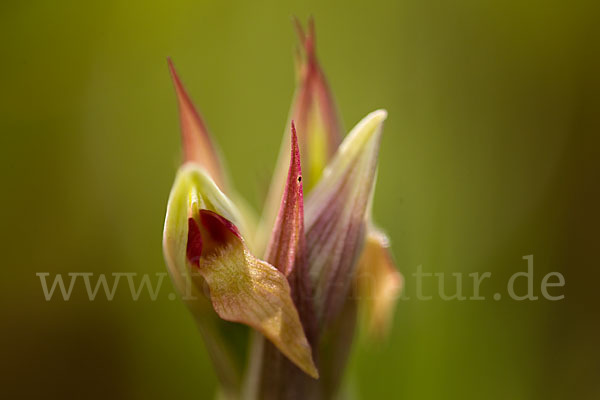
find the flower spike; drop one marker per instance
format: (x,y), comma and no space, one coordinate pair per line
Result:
(317,245)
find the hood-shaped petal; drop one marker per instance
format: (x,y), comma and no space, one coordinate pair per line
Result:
(184,199)
(202,241)
(336,213)
(318,127)
(196,139)
(379,283)
(192,191)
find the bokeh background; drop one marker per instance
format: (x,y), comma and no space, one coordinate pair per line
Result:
(490,153)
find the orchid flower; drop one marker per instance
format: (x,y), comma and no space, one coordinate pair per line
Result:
(276,302)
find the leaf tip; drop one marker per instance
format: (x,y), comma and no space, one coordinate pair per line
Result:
(196,140)
(295,153)
(379,115)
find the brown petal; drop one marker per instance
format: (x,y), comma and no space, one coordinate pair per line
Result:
(247,290)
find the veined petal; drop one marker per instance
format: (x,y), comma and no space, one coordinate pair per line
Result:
(196,139)
(318,126)
(248,290)
(241,287)
(379,283)
(336,213)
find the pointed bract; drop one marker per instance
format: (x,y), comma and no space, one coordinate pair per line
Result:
(336,213)
(287,239)
(277,378)
(196,140)
(287,247)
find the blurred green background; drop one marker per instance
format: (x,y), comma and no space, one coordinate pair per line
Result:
(490,153)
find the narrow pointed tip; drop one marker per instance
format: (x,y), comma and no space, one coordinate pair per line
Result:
(179,90)
(289,225)
(371,123)
(293,130)
(193,131)
(299,29)
(378,115)
(182,97)
(312,372)
(309,42)
(287,252)
(367,128)
(173,73)
(306,38)
(311,26)
(295,164)
(196,141)
(295,149)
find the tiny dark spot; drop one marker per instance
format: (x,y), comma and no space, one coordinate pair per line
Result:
(299,179)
